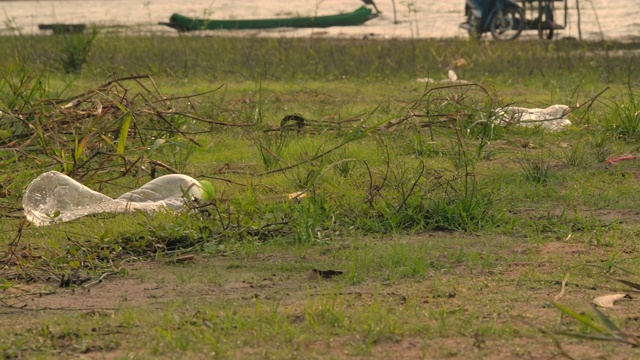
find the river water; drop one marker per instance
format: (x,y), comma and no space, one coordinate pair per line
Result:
(608,19)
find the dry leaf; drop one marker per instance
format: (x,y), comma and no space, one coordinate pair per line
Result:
(316,275)
(297,195)
(616,159)
(562,288)
(606,301)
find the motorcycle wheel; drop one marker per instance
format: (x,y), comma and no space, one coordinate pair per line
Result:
(507,24)
(545,30)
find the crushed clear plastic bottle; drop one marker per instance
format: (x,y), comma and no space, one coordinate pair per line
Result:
(553,118)
(54,197)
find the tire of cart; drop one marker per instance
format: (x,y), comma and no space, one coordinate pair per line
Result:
(508,23)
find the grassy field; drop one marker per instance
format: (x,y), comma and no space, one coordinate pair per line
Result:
(427,230)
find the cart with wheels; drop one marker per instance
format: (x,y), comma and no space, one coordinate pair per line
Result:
(540,16)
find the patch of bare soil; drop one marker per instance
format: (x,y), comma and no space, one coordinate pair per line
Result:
(109,295)
(504,298)
(151,285)
(563,248)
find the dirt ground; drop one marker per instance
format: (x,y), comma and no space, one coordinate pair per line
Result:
(154,286)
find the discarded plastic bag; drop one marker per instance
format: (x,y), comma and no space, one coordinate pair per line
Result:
(553,118)
(54,197)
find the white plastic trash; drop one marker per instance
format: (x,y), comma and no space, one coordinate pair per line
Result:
(553,118)
(54,197)
(452,78)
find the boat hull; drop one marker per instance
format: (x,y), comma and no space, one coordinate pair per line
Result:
(185,23)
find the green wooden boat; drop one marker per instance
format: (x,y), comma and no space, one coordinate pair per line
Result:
(357,17)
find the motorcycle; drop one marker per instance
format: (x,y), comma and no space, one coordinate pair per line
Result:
(504,19)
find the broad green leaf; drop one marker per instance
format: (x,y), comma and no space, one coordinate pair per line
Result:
(605,320)
(124,132)
(580,318)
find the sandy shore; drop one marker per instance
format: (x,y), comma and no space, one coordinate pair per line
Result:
(407,19)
